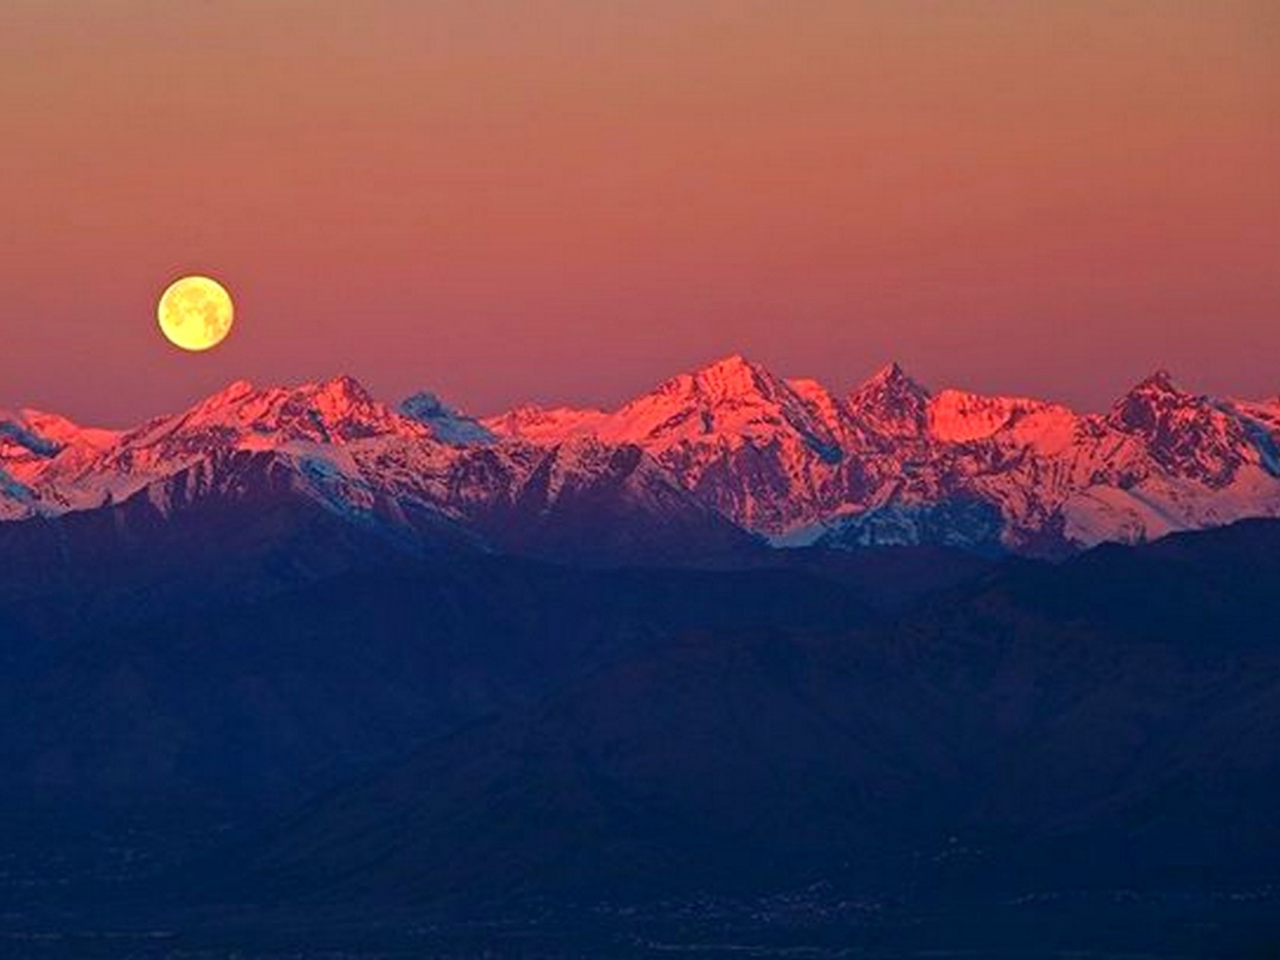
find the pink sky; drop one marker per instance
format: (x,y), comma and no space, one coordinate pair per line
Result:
(569,200)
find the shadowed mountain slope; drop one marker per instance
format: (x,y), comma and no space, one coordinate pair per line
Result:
(249,701)
(1111,721)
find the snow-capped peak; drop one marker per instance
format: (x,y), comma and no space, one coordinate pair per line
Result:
(891,403)
(45,434)
(729,378)
(771,455)
(337,410)
(446,423)
(958,416)
(730,401)
(893,377)
(1158,382)
(1146,406)
(1187,435)
(19,434)
(331,413)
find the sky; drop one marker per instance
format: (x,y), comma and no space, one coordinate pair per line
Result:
(566,201)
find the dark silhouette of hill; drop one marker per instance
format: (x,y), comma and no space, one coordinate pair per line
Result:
(249,700)
(309,717)
(1110,721)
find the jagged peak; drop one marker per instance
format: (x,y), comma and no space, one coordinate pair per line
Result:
(730,377)
(730,365)
(893,377)
(1160,381)
(1154,392)
(447,423)
(336,392)
(336,409)
(732,400)
(232,393)
(344,384)
(891,402)
(47,434)
(425,403)
(338,395)
(39,419)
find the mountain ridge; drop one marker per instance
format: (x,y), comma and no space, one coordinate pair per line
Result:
(786,459)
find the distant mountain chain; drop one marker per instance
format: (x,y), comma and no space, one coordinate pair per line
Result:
(717,459)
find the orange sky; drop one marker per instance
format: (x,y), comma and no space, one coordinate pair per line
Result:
(567,200)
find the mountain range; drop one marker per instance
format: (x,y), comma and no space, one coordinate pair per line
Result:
(710,466)
(296,672)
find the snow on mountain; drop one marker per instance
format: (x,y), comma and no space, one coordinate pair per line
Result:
(890,463)
(24,450)
(544,425)
(1161,460)
(446,423)
(1188,436)
(891,403)
(733,400)
(956,416)
(893,461)
(240,417)
(15,498)
(333,411)
(1261,420)
(30,439)
(747,443)
(829,411)
(965,522)
(424,470)
(580,464)
(36,446)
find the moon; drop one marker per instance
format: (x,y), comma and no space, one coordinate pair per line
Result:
(196,313)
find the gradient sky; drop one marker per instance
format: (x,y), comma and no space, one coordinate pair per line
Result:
(568,200)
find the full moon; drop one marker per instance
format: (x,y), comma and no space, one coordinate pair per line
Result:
(195,313)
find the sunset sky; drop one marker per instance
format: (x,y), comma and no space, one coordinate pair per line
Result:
(568,200)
